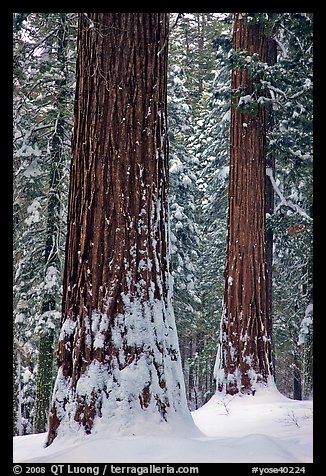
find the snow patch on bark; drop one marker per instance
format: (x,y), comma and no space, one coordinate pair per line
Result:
(130,397)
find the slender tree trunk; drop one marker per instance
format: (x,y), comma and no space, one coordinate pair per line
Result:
(50,300)
(308,345)
(297,373)
(201,22)
(308,366)
(49,304)
(270,163)
(44,382)
(20,399)
(118,353)
(299,352)
(245,354)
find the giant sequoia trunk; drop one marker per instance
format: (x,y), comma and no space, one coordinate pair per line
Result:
(118,353)
(244,355)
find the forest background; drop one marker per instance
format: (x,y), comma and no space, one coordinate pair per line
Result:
(199,95)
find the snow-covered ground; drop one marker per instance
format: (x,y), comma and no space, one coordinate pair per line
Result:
(265,428)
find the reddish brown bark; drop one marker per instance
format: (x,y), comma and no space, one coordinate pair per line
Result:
(270,163)
(117,242)
(246,349)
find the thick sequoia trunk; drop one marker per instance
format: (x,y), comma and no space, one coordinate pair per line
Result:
(118,353)
(244,356)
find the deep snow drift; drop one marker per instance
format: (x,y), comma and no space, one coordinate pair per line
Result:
(265,428)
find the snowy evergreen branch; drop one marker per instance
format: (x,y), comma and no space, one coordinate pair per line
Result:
(285,202)
(168,33)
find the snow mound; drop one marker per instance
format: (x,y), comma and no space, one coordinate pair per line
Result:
(265,428)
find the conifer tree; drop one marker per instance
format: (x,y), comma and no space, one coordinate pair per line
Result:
(42,94)
(118,353)
(184,231)
(196,148)
(284,89)
(290,144)
(244,356)
(54,211)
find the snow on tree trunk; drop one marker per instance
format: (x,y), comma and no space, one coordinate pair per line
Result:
(118,352)
(244,357)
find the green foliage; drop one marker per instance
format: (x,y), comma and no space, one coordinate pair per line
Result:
(43,79)
(196,152)
(191,46)
(286,88)
(290,142)
(199,100)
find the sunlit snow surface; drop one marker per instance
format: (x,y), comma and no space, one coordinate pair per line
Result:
(265,428)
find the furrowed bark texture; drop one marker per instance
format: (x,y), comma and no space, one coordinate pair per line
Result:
(118,347)
(245,356)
